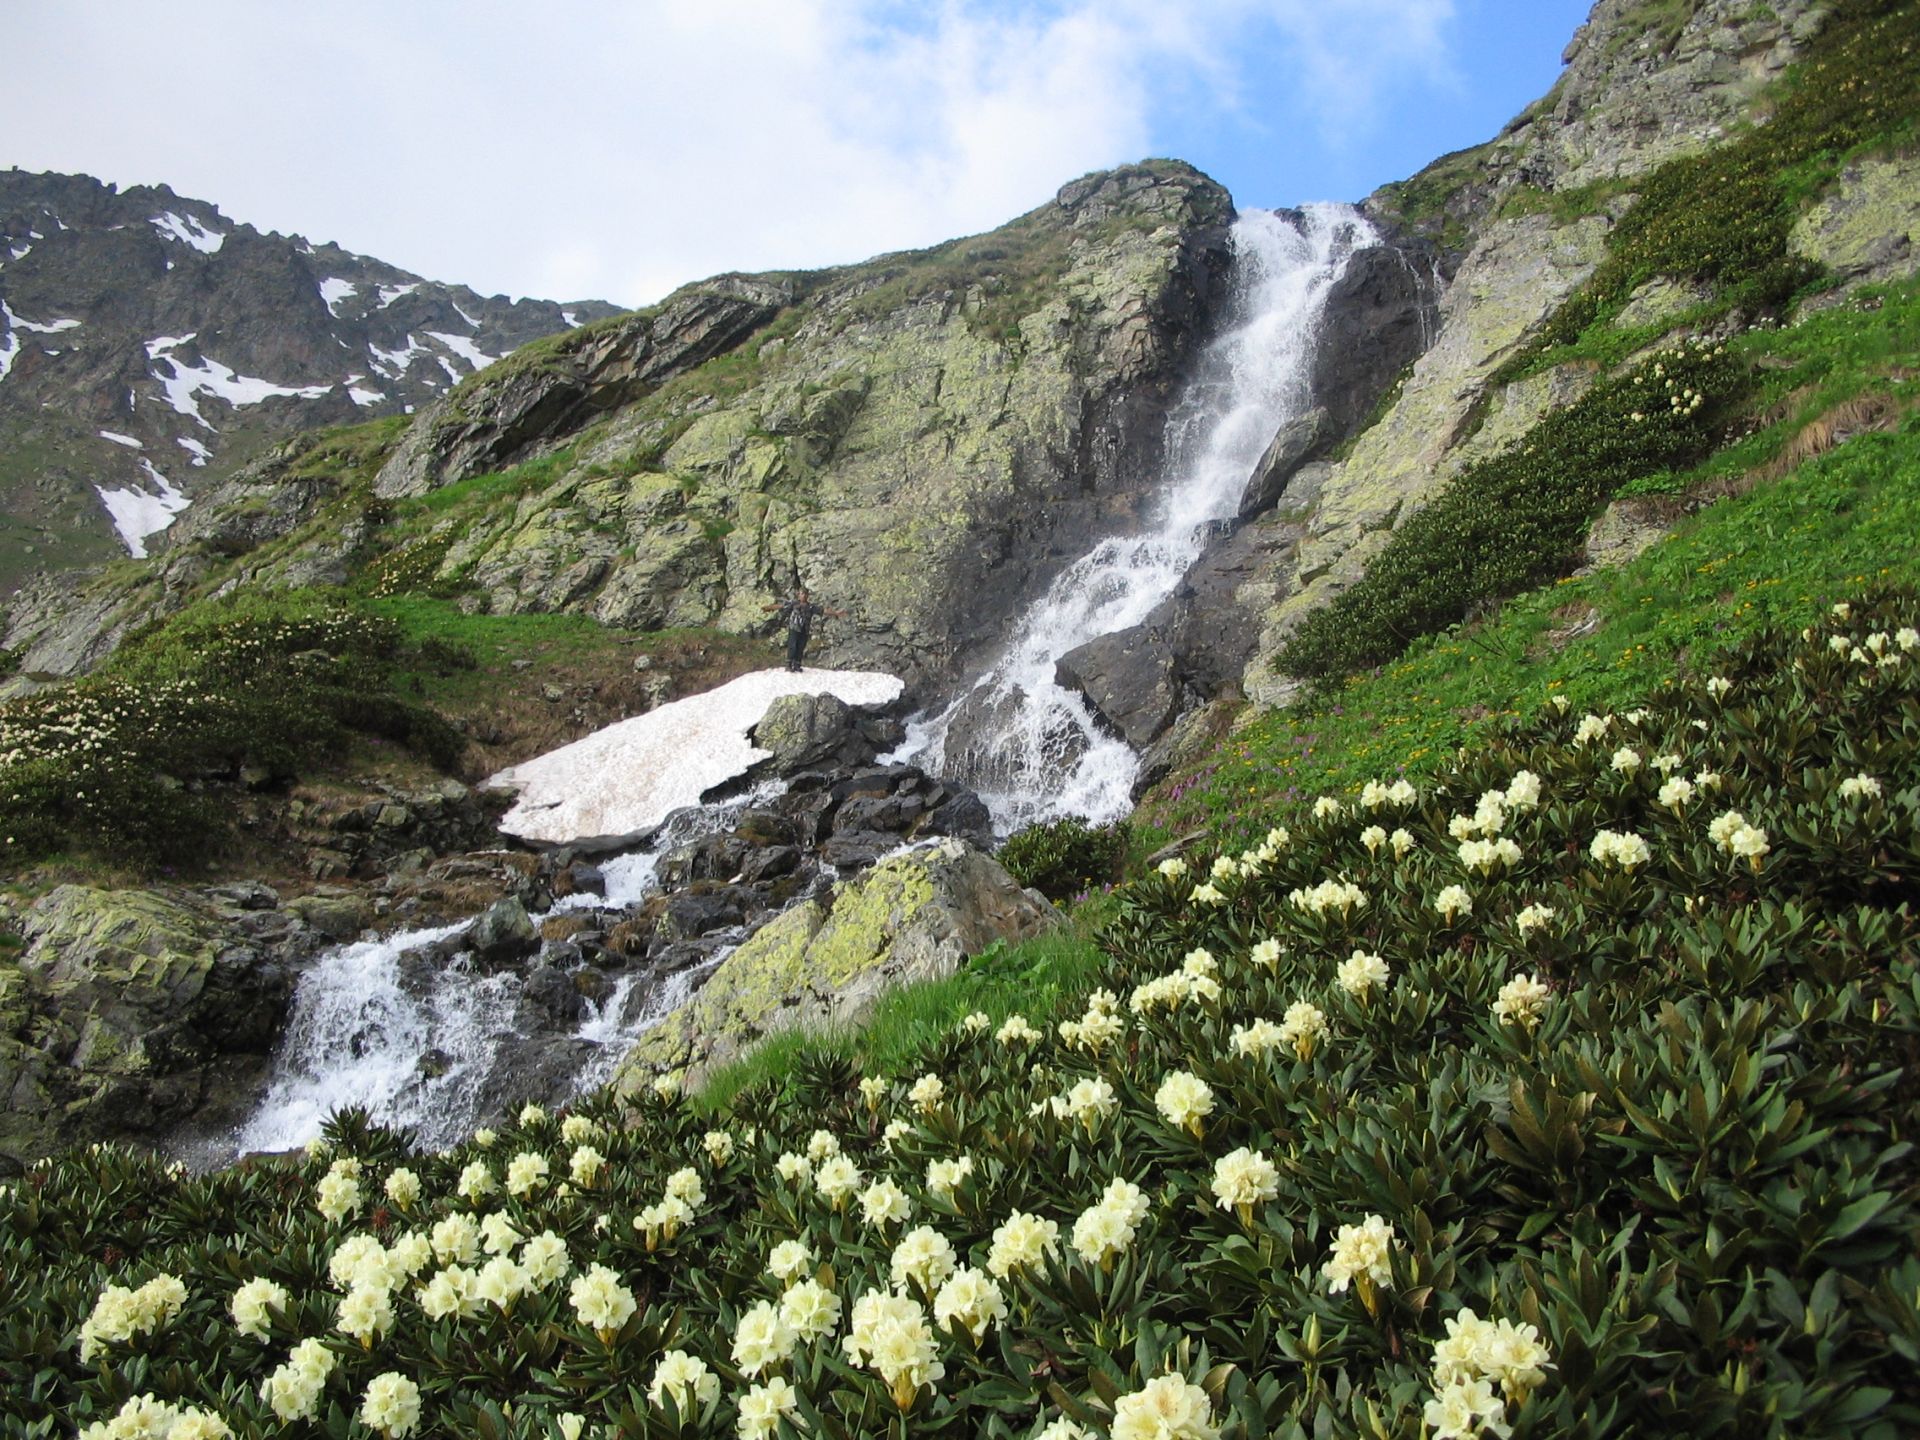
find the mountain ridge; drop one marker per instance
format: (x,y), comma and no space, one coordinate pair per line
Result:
(150,345)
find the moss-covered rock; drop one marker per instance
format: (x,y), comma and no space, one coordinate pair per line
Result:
(123,1015)
(1864,228)
(913,917)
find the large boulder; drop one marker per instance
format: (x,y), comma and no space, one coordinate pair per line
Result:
(913,917)
(131,1012)
(1300,440)
(811,731)
(1128,679)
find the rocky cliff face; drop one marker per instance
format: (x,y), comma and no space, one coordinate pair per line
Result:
(923,439)
(149,346)
(1644,84)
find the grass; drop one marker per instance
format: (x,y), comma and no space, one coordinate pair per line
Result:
(1773,555)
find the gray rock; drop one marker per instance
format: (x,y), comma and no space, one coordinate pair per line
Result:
(1295,443)
(913,917)
(503,934)
(1128,679)
(806,732)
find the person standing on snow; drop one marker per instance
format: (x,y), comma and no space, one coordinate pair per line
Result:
(799,613)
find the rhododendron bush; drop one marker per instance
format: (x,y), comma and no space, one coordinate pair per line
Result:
(1567,1094)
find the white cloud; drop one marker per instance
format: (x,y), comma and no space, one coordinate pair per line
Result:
(620,148)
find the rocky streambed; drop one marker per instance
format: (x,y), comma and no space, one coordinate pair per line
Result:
(471,980)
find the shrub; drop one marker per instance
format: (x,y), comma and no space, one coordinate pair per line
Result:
(1061,858)
(1510,521)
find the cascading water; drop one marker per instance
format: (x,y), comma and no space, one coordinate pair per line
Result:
(375,1024)
(1039,754)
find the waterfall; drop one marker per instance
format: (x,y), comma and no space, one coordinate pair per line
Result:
(1033,749)
(414,1040)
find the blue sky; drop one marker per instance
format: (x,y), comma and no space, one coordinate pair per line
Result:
(616,148)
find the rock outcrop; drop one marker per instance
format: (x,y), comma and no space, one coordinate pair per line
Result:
(133,1013)
(914,917)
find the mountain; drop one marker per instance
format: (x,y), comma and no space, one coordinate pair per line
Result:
(150,346)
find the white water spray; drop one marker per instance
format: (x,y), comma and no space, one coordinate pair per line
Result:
(365,1017)
(1041,755)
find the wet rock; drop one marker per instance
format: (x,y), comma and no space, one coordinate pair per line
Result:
(1295,444)
(1128,679)
(552,991)
(806,732)
(503,934)
(130,1012)
(338,914)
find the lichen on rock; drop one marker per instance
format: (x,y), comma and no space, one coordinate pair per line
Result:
(914,916)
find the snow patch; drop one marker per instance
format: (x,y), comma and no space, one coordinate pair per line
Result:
(390,293)
(183,381)
(464,348)
(194,448)
(393,363)
(136,513)
(627,778)
(463,314)
(571,318)
(360,394)
(119,439)
(188,231)
(53,327)
(334,291)
(9,349)
(20,252)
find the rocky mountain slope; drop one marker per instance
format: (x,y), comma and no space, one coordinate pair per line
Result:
(149,346)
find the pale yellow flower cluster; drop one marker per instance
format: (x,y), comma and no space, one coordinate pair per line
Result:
(293,1390)
(255,1304)
(403,1188)
(762,1339)
(1015,1030)
(1303,1027)
(764,1406)
(601,1301)
(1022,1242)
(891,1335)
(121,1314)
(1340,895)
(146,1417)
(1243,1179)
(1361,973)
(1375,796)
(1484,857)
(1361,1253)
(1860,787)
(968,1300)
(1453,902)
(1098,1027)
(884,1203)
(337,1196)
(946,1176)
(927,1093)
(1523,1001)
(1731,832)
(686,1379)
(1106,1229)
(1532,918)
(924,1257)
(789,1260)
(1168,1407)
(1474,1356)
(391,1405)
(1624,850)
(1184,1100)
